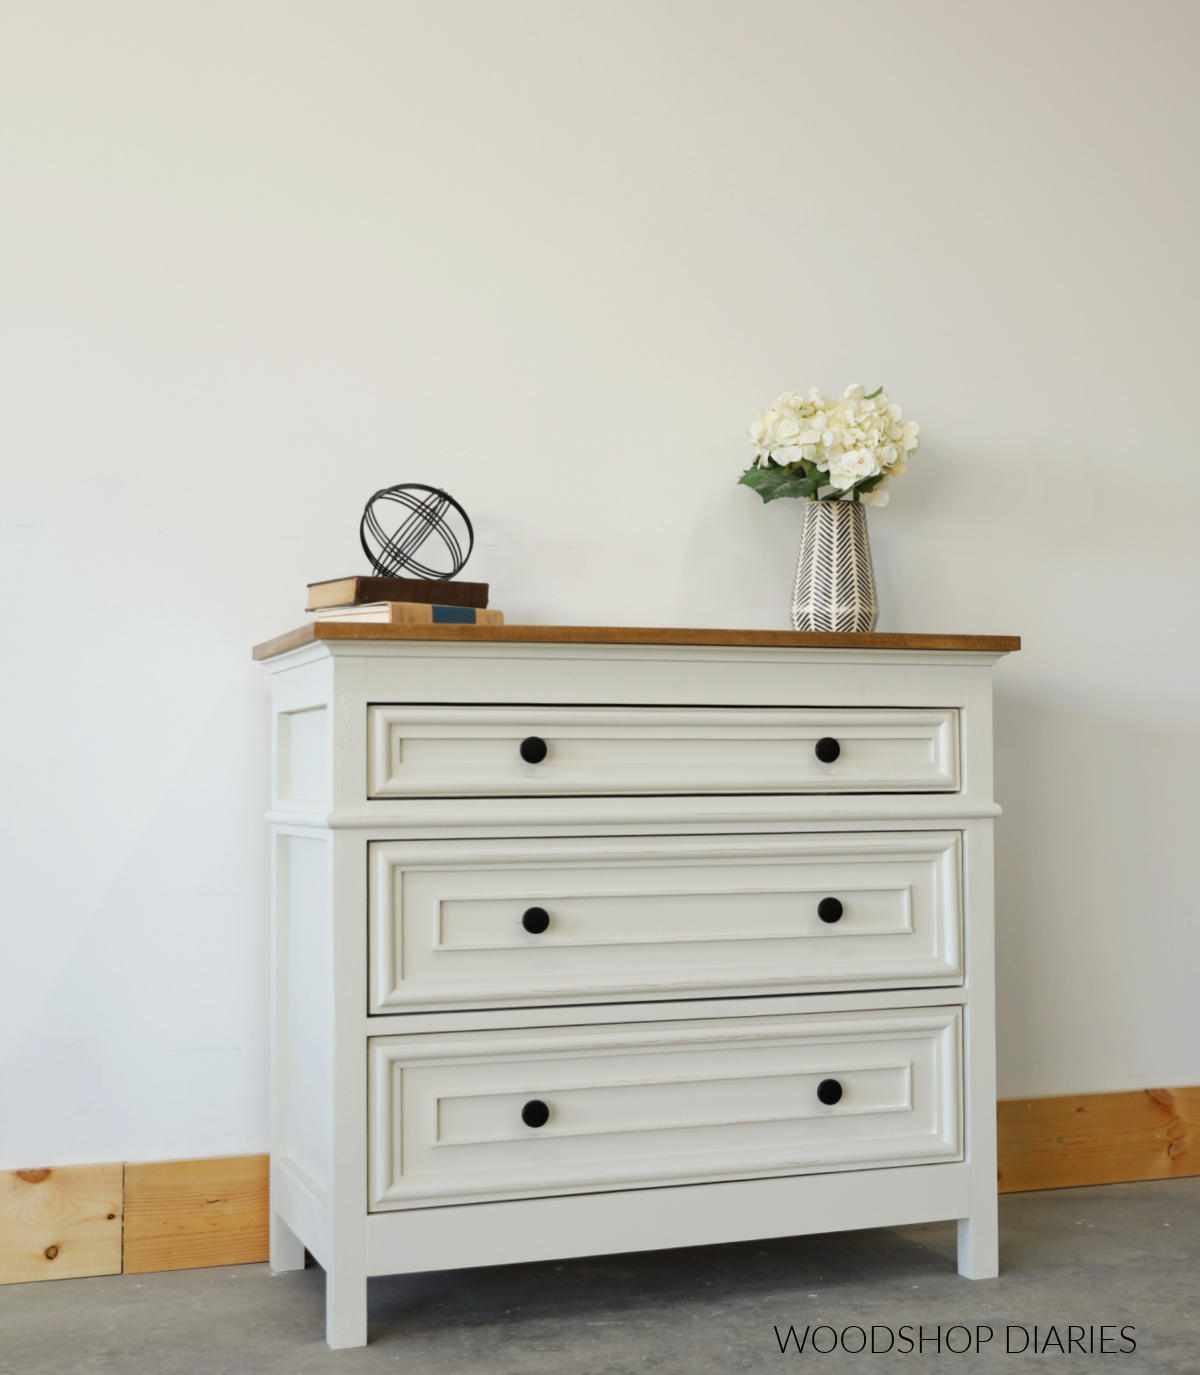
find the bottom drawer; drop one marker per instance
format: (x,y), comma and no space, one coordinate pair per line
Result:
(466,1117)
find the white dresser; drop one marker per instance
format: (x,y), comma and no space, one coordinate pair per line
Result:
(592,940)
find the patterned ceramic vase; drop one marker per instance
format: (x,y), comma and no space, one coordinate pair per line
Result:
(835,583)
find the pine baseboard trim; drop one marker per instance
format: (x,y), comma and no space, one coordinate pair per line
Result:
(73,1221)
(79,1220)
(60,1224)
(184,1214)
(1098,1138)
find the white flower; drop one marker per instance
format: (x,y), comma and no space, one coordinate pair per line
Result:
(854,438)
(877,496)
(851,467)
(775,433)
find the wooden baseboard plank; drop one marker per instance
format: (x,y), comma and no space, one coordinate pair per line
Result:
(60,1223)
(182,1214)
(1099,1138)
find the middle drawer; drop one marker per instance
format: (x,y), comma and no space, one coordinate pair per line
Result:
(473,923)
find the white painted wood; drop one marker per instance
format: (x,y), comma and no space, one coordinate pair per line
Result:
(346,1305)
(665,1010)
(978,1238)
(669,675)
(415,818)
(345,1291)
(467,751)
(304,695)
(635,1106)
(424,672)
(649,979)
(302,1207)
(653,1219)
(287,1250)
(661,916)
(305,1016)
(303,755)
(299,1212)
(979,1244)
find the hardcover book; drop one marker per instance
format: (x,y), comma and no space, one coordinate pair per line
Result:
(358,591)
(411,613)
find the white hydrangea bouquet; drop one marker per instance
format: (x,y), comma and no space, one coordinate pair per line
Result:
(825,450)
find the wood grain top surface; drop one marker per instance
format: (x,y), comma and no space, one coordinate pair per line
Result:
(630,635)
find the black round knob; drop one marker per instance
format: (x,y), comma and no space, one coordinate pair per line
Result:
(535,1113)
(827,749)
(829,1091)
(830,909)
(533,749)
(535,920)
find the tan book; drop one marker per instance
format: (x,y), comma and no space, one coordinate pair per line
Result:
(357,591)
(411,613)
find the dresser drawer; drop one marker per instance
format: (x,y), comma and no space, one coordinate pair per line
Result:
(454,1116)
(477,751)
(659,916)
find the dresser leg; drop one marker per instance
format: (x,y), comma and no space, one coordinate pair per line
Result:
(287,1250)
(978,1246)
(345,1308)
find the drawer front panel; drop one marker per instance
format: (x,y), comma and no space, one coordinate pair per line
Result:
(476,751)
(655,916)
(638,1105)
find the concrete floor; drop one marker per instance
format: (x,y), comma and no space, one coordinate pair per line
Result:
(1122,1254)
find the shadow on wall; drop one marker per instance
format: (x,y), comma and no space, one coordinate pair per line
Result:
(1096,902)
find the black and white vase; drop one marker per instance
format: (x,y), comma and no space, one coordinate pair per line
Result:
(835,583)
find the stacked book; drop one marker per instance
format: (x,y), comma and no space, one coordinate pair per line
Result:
(402,601)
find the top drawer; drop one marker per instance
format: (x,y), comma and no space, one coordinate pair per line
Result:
(467,751)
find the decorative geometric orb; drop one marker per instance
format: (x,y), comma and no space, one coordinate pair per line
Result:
(425,514)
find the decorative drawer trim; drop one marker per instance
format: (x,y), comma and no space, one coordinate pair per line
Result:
(472,751)
(635,1106)
(643,917)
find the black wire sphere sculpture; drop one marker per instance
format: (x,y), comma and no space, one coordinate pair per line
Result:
(425,514)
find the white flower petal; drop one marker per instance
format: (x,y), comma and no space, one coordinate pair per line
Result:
(850,439)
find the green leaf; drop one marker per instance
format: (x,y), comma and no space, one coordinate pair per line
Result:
(776,481)
(877,392)
(868,484)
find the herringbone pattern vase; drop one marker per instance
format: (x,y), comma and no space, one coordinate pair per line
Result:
(835,583)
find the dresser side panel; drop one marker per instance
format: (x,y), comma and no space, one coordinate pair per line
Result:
(305,1006)
(301,739)
(979,1045)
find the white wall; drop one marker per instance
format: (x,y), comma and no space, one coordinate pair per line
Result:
(261,259)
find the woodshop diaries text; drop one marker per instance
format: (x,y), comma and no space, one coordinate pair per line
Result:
(1067,1338)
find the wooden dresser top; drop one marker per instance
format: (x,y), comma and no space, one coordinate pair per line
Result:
(630,635)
